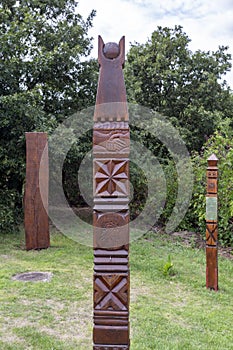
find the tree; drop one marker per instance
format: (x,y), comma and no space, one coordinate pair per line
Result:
(187,87)
(43,79)
(221,144)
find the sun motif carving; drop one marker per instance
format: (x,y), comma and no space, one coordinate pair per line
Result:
(111,178)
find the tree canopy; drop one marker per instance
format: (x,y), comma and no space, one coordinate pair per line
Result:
(43,77)
(187,87)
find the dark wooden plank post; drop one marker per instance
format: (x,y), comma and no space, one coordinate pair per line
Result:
(36,222)
(212,224)
(111,197)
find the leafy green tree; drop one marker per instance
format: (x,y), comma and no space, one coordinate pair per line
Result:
(43,79)
(164,75)
(221,144)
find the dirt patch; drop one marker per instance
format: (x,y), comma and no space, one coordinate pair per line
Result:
(75,324)
(4,256)
(33,277)
(71,322)
(7,335)
(194,240)
(137,290)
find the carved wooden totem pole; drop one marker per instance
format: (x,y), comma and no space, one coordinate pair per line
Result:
(111,197)
(36,220)
(212,224)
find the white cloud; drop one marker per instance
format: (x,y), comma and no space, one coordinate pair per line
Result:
(207,23)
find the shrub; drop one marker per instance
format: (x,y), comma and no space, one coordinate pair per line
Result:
(9,213)
(221,143)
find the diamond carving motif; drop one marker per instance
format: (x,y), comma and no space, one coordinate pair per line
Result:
(110,292)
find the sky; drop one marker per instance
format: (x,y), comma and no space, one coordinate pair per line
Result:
(208,23)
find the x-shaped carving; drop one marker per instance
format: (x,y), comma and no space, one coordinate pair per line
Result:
(111,292)
(211,233)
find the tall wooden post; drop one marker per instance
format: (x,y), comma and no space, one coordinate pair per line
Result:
(111,196)
(212,224)
(36,220)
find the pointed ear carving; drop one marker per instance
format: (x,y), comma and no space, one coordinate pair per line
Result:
(100,48)
(102,57)
(122,50)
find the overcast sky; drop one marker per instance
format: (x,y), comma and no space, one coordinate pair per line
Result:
(208,23)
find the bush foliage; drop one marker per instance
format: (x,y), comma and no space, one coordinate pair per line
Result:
(221,144)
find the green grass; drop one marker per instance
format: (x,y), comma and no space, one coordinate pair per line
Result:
(173,311)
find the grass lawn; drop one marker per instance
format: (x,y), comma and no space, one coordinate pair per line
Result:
(167,312)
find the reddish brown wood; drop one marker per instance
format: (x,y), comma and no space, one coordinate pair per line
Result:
(111,177)
(111,230)
(111,197)
(212,224)
(212,267)
(36,221)
(109,138)
(111,94)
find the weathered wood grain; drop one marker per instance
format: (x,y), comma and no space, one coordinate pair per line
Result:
(36,220)
(111,141)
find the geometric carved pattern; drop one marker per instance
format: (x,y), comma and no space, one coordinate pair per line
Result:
(112,257)
(212,224)
(108,126)
(211,233)
(111,177)
(212,174)
(111,141)
(110,292)
(111,261)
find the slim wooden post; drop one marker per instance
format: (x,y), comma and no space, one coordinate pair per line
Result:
(111,197)
(212,224)
(36,220)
